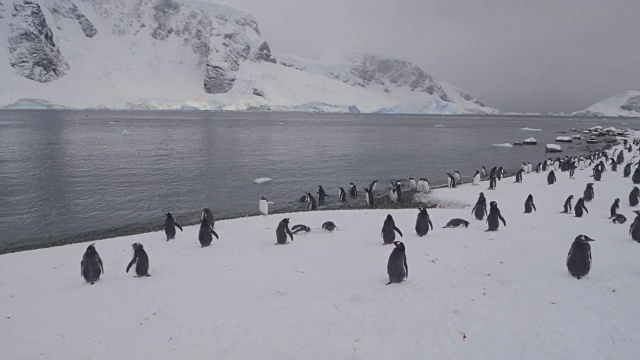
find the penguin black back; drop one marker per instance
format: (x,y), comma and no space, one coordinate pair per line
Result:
(551,178)
(529,205)
(423,222)
(567,205)
(91,265)
(388,230)
(494,217)
(353,190)
(480,208)
(282,231)
(141,259)
(321,195)
(579,209)
(208,214)
(579,257)
(329,226)
(634,196)
(589,194)
(342,195)
(614,208)
(169,226)
(369,196)
(397,267)
(300,227)
(634,229)
(311,202)
(204,235)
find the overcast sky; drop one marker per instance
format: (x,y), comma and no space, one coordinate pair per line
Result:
(515,55)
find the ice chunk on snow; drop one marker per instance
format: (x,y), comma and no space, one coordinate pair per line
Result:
(505,145)
(261,180)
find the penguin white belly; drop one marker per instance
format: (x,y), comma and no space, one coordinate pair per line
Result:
(412,184)
(457,177)
(420,186)
(393,196)
(264,207)
(476,180)
(529,168)
(425,187)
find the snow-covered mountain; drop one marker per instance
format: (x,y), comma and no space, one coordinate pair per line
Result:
(186,54)
(625,104)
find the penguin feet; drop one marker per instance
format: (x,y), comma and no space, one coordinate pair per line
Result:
(92,283)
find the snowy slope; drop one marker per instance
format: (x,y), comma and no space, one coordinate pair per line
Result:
(470,294)
(625,104)
(172,54)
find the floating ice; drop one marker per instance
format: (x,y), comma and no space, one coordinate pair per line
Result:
(261,180)
(125,133)
(530,141)
(530,129)
(505,145)
(439,125)
(564,139)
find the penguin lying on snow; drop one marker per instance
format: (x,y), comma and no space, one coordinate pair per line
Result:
(300,227)
(141,259)
(91,265)
(579,257)
(619,219)
(456,223)
(329,226)
(397,267)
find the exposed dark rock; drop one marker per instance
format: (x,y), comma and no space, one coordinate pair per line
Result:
(633,104)
(264,54)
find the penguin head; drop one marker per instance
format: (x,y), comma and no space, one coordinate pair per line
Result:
(263,198)
(411,178)
(635,188)
(617,200)
(493,204)
(584,239)
(530,197)
(136,246)
(352,184)
(389,217)
(399,245)
(169,216)
(285,220)
(91,249)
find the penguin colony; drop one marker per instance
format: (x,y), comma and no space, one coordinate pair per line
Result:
(578,260)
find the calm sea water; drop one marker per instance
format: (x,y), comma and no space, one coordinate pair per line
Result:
(70,176)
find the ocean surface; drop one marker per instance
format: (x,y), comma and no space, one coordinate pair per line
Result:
(70,176)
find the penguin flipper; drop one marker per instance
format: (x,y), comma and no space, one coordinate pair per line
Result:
(397,230)
(406,266)
(534,206)
(585,209)
(430,223)
(101,266)
(178,225)
(133,261)
(290,234)
(82,263)
(215,234)
(388,283)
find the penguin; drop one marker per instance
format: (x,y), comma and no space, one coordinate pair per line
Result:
(581,163)
(91,265)
(393,194)
(311,202)
(614,208)
(589,194)
(492,183)
(634,196)
(480,208)
(169,227)
(353,190)
(493,172)
(528,205)
(627,170)
(300,227)
(597,174)
(282,231)
(529,167)
(556,164)
(141,259)
(321,195)
(419,185)
(263,205)
(425,185)
(476,178)
(303,198)
(620,158)
(342,195)
(397,267)
(397,189)
(619,219)
(452,180)
(329,226)
(544,165)
(614,165)
(483,172)
(494,216)
(539,168)
(372,186)
(579,257)
(456,223)
(636,176)
(423,222)
(519,176)
(567,205)
(208,214)
(204,235)
(456,175)
(412,184)
(369,196)
(578,209)
(500,173)
(551,178)
(572,169)
(388,228)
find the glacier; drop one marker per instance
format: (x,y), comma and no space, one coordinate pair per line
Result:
(626,104)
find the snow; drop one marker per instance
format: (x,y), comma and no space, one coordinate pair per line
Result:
(262,180)
(505,145)
(530,129)
(324,295)
(554,148)
(613,106)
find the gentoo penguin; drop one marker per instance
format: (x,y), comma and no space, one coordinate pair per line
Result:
(311,202)
(393,194)
(634,229)
(398,189)
(369,196)
(263,205)
(476,178)
(597,174)
(500,173)
(419,185)
(452,180)
(456,175)
(91,265)
(614,208)
(397,266)
(329,226)
(483,172)
(372,186)
(579,257)
(614,165)
(282,231)
(578,209)
(572,169)
(412,184)
(321,195)
(556,164)
(456,223)
(619,219)
(300,227)
(208,214)
(492,183)
(636,176)
(519,176)
(627,170)
(493,172)
(589,194)
(620,158)
(480,208)
(551,178)
(634,196)
(529,167)
(567,205)
(581,164)
(353,190)
(529,205)
(169,227)
(342,195)
(544,165)
(539,168)
(141,259)
(204,235)
(423,222)
(388,228)
(494,216)
(425,185)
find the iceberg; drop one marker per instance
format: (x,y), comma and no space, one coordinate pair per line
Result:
(530,141)
(262,180)
(505,145)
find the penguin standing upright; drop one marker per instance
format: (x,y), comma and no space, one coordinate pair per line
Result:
(500,173)
(539,168)
(208,214)
(388,228)
(423,222)
(282,231)
(91,265)
(529,205)
(634,229)
(452,180)
(169,227)
(519,176)
(579,257)
(620,158)
(456,175)
(483,172)
(493,172)
(368,196)
(141,259)
(578,209)
(614,208)
(551,178)
(636,176)
(205,232)
(494,217)
(589,194)
(597,173)
(529,167)
(480,208)
(412,184)
(544,165)
(476,178)
(426,188)
(398,187)
(321,195)
(263,205)
(372,186)
(393,193)
(353,190)
(311,202)
(634,196)
(627,170)
(342,195)
(492,183)
(614,165)
(581,163)
(567,205)
(397,267)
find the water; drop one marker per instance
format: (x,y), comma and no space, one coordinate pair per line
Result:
(75,176)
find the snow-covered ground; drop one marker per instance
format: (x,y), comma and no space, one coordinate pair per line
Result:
(470,294)
(625,104)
